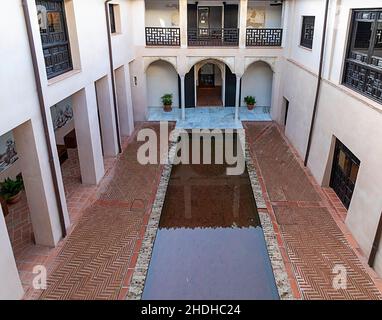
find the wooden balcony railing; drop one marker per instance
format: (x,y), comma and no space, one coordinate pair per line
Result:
(213,37)
(364,78)
(264,37)
(158,36)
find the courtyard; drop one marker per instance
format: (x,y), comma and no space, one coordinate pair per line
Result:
(98,258)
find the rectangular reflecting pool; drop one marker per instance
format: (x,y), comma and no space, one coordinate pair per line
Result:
(210,244)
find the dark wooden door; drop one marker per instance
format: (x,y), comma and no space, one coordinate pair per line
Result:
(180,92)
(216,17)
(230,88)
(344,173)
(231,12)
(192,16)
(189,83)
(286,111)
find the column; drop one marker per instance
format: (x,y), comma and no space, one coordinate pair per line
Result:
(10,288)
(243,23)
(107,117)
(183,96)
(88,135)
(183,23)
(38,182)
(237,100)
(122,101)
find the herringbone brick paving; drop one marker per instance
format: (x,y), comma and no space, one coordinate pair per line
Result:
(97,259)
(313,241)
(98,254)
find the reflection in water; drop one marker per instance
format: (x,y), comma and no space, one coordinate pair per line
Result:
(210,244)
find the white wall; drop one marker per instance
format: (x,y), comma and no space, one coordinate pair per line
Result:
(11,287)
(310,58)
(162,13)
(257,82)
(161,78)
(272,14)
(341,112)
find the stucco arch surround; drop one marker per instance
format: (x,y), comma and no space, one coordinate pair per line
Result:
(161,78)
(270,61)
(229,61)
(219,64)
(258,81)
(147,61)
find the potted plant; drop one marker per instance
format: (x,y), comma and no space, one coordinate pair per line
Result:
(167,102)
(250,101)
(10,190)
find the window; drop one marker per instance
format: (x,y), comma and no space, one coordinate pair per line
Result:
(344,172)
(113,28)
(307,32)
(54,37)
(363,65)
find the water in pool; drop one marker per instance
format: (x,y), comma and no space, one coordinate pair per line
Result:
(210,244)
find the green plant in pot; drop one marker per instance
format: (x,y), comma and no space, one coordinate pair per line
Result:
(167,102)
(10,190)
(250,101)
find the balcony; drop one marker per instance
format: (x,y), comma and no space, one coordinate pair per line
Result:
(212,25)
(213,37)
(363,64)
(364,78)
(162,36)
(266,37)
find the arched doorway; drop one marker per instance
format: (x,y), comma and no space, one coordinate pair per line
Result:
(210,82)
(162,78)
(257,81)
(209,85)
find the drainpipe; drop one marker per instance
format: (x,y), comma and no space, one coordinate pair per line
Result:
(318,84)
(44,117)
(112,73)
(377,240)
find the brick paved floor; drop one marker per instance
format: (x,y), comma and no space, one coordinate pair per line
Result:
(98,256)
(309,222)
(78,197)
(97,259)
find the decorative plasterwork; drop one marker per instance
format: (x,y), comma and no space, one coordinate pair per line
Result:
(149,60)
(229,61)
(271,61)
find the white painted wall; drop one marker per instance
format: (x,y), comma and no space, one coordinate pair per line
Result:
(257,82)
(11,287)
(310,58)
(342,113)
(162,13)
(161,78)
(272,14)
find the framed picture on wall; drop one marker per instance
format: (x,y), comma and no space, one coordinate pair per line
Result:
(203,20)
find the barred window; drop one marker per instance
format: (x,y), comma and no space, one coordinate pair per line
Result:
(363,65)
(54,37)
(307,32)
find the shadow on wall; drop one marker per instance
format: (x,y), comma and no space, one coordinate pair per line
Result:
(161,78)
(257,81)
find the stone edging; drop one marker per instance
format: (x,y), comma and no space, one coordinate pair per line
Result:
(274,253)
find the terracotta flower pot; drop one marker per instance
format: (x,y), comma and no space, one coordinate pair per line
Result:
(250,106)
(14,199)
(167,107)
